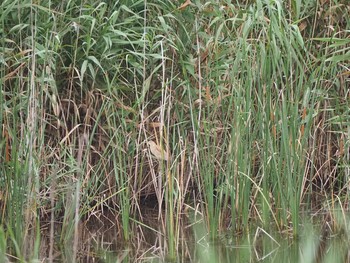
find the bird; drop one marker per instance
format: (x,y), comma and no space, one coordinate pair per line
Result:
(157,151)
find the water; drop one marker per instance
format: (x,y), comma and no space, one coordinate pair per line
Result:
(100,240)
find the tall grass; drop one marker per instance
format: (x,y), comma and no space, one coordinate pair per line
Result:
(247,101)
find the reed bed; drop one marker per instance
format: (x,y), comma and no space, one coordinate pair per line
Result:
(233,112)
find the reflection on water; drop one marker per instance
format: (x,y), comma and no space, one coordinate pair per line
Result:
(100,240)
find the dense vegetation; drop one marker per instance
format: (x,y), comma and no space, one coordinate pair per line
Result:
(231,112)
